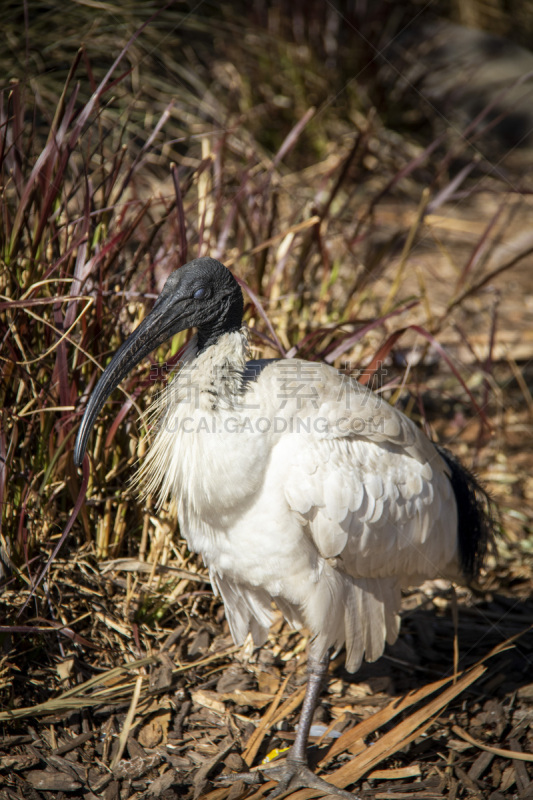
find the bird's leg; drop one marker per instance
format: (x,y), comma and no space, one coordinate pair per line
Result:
(294,773)
(316,671)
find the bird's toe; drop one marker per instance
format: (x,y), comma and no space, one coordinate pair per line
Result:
(290,775)
(294,775)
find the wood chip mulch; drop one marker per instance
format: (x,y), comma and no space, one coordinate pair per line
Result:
(114,709)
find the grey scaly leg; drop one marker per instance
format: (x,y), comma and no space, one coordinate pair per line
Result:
(294,773)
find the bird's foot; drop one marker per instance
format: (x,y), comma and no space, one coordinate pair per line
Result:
(290,775)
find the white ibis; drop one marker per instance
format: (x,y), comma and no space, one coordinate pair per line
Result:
(297,485)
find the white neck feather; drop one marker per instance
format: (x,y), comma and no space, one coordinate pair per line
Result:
(209,383)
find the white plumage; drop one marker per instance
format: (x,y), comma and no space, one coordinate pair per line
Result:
(325,501)
(297,485)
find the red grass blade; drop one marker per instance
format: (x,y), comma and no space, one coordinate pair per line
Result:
(354,337)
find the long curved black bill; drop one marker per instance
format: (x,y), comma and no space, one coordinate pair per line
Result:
(153,331)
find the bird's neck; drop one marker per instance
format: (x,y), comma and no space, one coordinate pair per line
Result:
(212,377)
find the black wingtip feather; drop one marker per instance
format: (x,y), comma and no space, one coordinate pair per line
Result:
(476,515)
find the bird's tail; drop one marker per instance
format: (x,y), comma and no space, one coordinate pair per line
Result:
(476,515)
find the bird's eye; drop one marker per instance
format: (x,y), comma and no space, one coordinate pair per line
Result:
(199,293)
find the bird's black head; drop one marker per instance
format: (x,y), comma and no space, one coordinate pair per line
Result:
(202,294)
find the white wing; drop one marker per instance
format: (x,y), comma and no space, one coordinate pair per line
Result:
(373,494)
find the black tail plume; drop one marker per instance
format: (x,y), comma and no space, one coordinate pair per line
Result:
(476,515)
